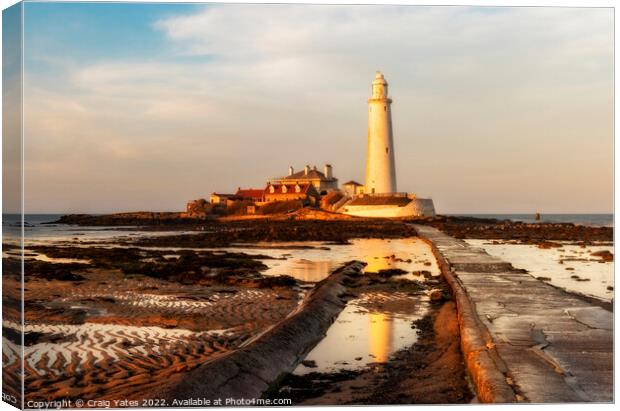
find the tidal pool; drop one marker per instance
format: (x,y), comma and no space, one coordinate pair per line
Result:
(570,267)
(362,336)
(316,262)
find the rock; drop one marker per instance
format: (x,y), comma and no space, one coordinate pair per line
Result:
(309,363)
(386,273)
(425,273)
(548,244)
(436,296)
(605,255)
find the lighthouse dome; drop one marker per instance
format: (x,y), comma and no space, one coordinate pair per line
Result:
(379,86)
(379,79)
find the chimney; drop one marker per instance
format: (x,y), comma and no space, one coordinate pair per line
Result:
(290,171)
(306,170)
(327,171)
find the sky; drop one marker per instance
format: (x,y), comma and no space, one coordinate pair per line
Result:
(146,106)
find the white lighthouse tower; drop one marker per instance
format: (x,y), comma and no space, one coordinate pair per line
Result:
(380,168)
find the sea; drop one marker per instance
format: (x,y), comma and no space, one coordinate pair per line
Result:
(601,220)
(41,228)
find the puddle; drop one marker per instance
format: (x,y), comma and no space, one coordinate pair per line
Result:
(361,336)
(43,257)
(592,276)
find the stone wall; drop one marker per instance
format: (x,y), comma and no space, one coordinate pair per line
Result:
(424,207)
(419,207)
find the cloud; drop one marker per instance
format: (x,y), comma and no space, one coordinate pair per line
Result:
(246,90)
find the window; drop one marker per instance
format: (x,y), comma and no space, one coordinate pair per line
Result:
(387,150)
(384,108)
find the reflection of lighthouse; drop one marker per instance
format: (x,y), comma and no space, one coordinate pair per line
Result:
(374,251)
(380,169)
(380,336)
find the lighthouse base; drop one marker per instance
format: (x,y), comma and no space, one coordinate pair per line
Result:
(388,206)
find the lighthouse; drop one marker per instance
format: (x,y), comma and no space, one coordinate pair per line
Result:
(380,168)
(379,197)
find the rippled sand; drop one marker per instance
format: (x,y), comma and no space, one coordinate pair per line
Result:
(113,337)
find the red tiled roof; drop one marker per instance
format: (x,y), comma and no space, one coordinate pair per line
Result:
(253,193)
(290,189)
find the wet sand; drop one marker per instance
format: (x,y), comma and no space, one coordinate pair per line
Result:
(119,322)
(104,322)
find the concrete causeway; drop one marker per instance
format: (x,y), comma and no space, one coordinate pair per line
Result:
(546,345)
